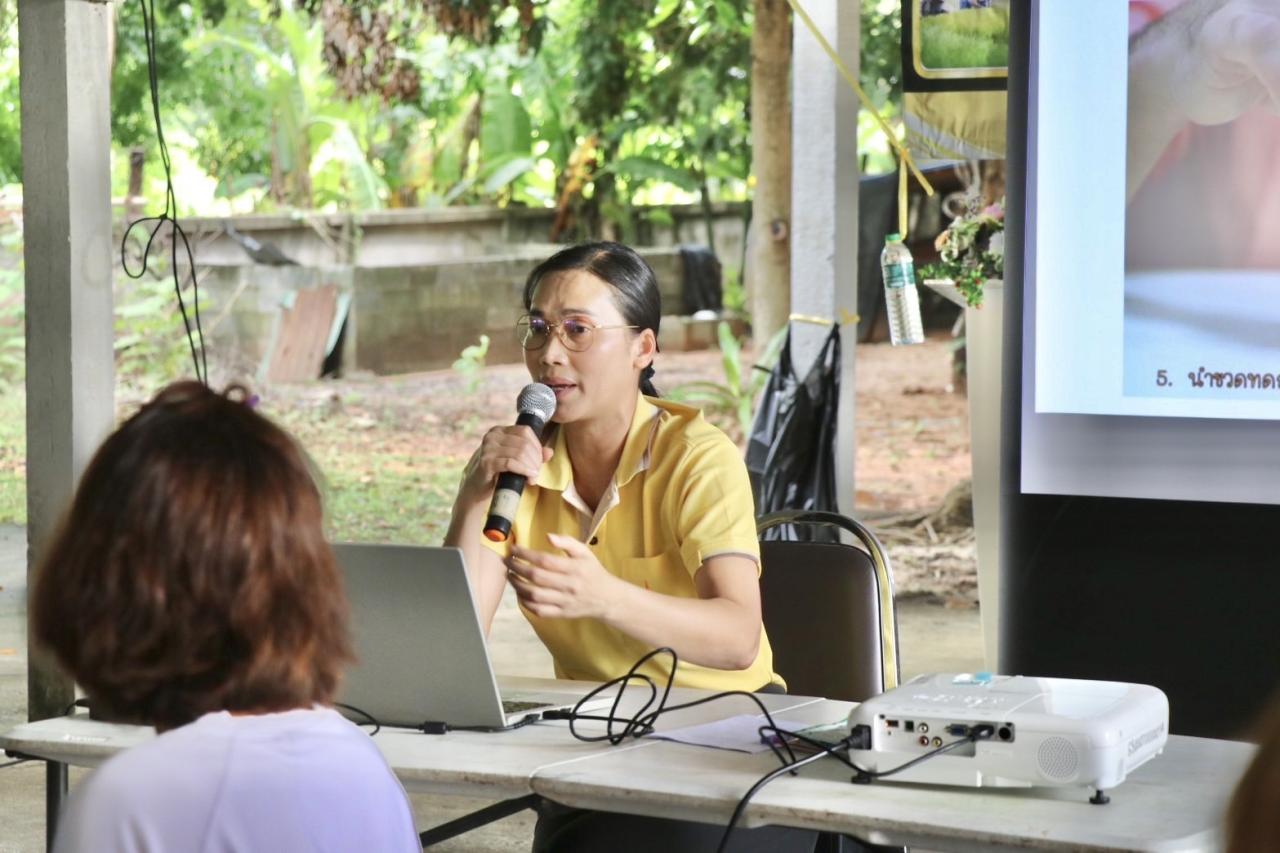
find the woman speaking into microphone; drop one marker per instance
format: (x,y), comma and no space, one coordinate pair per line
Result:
(636,527)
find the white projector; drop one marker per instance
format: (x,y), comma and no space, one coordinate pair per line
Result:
(1029,731)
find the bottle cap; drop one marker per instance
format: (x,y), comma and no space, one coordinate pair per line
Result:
(895,237)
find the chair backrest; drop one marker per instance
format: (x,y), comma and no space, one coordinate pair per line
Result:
(828,609)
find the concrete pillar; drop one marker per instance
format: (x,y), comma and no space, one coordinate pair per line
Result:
(824,205)
(66,154)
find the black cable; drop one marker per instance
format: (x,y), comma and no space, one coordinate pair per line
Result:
(372,721)
(641,723)
(778,739)
(15,761)
(751,792)
(445,728)
(199,356)
(978,733)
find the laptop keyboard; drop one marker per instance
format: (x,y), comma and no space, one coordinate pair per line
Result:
(516,706)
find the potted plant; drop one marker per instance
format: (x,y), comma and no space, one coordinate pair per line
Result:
(971,253)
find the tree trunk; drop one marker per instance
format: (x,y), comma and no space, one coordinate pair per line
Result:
(768,272)
(133,197)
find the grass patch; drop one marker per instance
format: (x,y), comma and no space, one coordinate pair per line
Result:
(405,508)
(13,455)
(970,38)
(378,485)
(370,494)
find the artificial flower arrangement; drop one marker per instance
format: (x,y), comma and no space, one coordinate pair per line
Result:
(971,251)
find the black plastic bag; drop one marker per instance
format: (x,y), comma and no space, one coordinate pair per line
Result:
(791,451)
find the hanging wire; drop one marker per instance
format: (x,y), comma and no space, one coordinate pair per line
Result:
(194,340)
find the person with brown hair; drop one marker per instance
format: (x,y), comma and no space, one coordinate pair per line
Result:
(190,587)
(1253,818)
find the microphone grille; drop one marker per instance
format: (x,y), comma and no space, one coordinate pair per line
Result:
(537,399)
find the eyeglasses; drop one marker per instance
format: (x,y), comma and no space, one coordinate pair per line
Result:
(577,335)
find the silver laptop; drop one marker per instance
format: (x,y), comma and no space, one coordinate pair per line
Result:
(422,657)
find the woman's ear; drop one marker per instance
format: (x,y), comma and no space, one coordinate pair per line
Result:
(643,349)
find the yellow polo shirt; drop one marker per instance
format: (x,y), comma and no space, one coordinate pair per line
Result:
(680,494)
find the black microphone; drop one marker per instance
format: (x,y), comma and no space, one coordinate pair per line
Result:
(535,406)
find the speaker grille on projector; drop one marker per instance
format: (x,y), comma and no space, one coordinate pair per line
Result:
(1057,759)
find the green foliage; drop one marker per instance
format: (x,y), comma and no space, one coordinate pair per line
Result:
(881,78)
(10,113)
(733,297)
(731,403)
(970,251)
(13,363)
(470,364)
(13,455)
(316,141)
(969,38)
(695,86)
(475,132)
(504,124)
(151,344)
(132,122)
(449,101)
(880,49)
(228,111)
(638,169)
(648,93)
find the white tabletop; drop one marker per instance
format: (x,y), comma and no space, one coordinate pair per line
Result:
(502,764)
(484,764)
(1174,802)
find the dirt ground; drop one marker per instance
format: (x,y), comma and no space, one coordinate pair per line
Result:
(912,433)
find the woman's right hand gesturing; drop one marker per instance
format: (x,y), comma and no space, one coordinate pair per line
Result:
(510,448)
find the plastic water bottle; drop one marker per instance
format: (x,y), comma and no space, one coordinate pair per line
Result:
(901,298)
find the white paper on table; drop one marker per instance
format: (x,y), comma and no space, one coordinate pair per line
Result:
(740,733)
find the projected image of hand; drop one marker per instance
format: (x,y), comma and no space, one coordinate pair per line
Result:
(1233,64)
(1201,263)
(1206,62)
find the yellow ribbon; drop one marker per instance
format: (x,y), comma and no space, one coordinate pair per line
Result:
(904,158)
(846,318)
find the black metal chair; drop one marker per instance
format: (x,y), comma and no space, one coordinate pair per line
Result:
(828,609)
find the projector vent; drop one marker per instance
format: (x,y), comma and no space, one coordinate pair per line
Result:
(1057,758)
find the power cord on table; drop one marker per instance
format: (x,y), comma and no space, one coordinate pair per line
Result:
(370,720)
(641,723)
(431,727)
(859,738)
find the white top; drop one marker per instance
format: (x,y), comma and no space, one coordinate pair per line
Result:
(305,780)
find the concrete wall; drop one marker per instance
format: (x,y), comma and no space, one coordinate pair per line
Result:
(403,318)
(418,236)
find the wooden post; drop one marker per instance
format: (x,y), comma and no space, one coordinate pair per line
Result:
(768,268)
